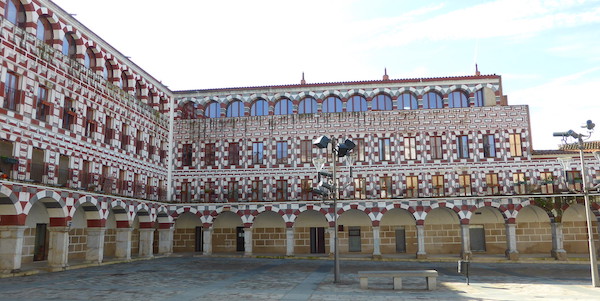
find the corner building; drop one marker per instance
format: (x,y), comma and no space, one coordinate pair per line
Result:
(101,161)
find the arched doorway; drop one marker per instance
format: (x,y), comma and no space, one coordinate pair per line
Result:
(355,234)
(310,233)
(268,234)
(398,232)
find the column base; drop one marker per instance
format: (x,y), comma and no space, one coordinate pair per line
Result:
(512,255)
(559,254)
(421,255)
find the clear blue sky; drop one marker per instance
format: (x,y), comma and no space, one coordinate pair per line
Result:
(548,52)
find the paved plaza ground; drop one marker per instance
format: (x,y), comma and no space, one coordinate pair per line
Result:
(234,278)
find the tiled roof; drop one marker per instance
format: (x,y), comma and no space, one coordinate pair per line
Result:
(588,146)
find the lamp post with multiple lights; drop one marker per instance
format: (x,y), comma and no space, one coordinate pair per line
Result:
(588,212)
(331,189)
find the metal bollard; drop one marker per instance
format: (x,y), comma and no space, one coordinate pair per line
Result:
(463,268)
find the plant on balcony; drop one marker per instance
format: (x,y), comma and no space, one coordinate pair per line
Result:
(9,160)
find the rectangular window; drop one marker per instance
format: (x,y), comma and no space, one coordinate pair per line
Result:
(519,183)
(234,154)
(306,151)
(385,149)
(547,182)
(11,92)
(151,147)
(63,170)
(69,115)
(257,152)
(359,149)
(109,132)
(233,194)
(90,123)
(491,181)
(37,165)
(6,167)
(385,184)
(209,192)
(282,152)
(410,148)
(281,191)
(124,137)
(186,155)
(86,174)
(464,185)
(210,151)
(257,191)
(516,149)
(438,189)
(412,187)
(139,142)
(360,188)
(306,186)
(462,144)
(574,180)
(436,147)
(42,107)
(489,146)
(186,194)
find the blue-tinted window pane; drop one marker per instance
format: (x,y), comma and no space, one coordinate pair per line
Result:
(382,102)
(489,146)
(407,101)
(40,30)
(213,110)
(478,98)
(235,109)
(284,107)
(259,108)
(356,104)
(307,106)
(332,104)
(257,152)
(11,12)
(458,99)
(432,100)
(463,146)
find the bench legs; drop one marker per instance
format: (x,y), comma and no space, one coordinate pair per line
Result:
(431,283)
(397,283)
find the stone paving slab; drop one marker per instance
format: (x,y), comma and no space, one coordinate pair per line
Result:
(213,278)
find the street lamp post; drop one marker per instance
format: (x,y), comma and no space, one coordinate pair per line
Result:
(586,197)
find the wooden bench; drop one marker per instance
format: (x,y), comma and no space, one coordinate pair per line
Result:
(430,275)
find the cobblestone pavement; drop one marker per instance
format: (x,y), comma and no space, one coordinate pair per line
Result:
(214,278)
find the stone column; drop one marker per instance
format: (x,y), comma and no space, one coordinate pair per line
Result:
(376,243)
(95,244)
(207,241)
(511,242)
(11,248)
(558,251)
(165,241)
(421,242)
(247,241)
(58,248)
(146,242)
(123,243)
(331,231)
(289,245)
(465,242)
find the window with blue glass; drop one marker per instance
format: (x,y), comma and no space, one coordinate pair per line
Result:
(458,99)
(478,98)
(257,152)
(489,146)
(284,107)
(308,105)
(462,143)
(213,110)
(332,104)
(282,151)
(68,46)
(235,109)
(407,101)
(381,102)
(356,103)
(432,100)
(259,108)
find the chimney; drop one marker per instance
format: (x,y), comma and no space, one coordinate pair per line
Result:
(303,82)
(385,75)
(477,70)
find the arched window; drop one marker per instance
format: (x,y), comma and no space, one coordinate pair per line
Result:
(407,101)
(108,72)
(235,109)
(213,110)
(432,100)
(458,99)
(332,104)
(259,108)
(89,59)
(123,82)
(14,12)
(307,106)
(356,103)
(44,30)
(138,90)
(478,98)
(284,107)
(381,102)
(68,46)
(188,111)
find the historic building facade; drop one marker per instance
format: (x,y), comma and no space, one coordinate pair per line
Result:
(100,160)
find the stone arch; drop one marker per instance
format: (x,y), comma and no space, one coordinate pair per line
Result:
(123,216)
(355,220)
(10,212)
(225,225)
(184,233)
(398,231)
(534,234)
(491,219)
(52,201)
(268,233)
(57,32)
(442,231)
(91,207)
